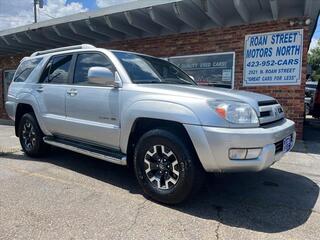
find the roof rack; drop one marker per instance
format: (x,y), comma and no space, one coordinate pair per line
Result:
(82,46)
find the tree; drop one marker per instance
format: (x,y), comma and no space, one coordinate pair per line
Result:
(314,60)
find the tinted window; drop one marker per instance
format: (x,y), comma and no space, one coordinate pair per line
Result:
(86,61)
(45,73)
(59,69)
(146,69)
(25,69)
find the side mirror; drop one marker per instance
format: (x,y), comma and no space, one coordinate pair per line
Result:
(192,77)
(101,76)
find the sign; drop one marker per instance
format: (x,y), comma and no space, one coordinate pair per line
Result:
(215,69)
(273,58)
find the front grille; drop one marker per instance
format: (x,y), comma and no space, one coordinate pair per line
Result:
(265,114)
(266,103)
(270,112)
(279,146)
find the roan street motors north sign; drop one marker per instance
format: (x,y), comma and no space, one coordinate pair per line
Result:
(273,58)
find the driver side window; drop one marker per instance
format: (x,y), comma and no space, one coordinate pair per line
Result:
(86,61)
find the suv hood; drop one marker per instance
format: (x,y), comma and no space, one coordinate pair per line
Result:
(203,92)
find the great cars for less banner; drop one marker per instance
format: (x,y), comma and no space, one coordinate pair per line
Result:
(273,58)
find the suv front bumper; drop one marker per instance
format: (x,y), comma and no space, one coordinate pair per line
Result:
(212,145)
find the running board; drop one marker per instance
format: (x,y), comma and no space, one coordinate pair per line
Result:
(89,150)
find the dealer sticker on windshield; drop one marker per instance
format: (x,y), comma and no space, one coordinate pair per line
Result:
(287,143)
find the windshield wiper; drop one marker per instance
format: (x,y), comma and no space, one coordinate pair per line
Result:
(148,81)
(176,81)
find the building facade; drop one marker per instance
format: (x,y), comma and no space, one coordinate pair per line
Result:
(235,54)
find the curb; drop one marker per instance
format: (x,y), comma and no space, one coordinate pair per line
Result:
(6,122)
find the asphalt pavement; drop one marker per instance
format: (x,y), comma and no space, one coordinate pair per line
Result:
(69,196)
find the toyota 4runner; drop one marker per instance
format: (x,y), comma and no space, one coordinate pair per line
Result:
(133,109)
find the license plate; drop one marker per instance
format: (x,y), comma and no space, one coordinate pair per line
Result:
(287,143)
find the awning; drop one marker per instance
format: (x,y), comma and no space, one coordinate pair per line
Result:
(147,18)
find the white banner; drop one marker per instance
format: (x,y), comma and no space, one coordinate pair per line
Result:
(273,58)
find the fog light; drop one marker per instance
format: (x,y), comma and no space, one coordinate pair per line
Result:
(237,153)
(253,153)
(244,153)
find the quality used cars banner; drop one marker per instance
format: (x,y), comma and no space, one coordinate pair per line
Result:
(273,58)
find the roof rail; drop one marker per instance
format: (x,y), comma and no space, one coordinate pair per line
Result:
(82,46)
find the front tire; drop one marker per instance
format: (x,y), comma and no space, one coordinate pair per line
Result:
(166,167)
(31,136)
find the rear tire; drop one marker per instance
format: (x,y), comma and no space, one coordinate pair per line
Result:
(166,167)
(31,136)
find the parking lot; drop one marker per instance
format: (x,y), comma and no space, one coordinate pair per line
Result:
(69,196)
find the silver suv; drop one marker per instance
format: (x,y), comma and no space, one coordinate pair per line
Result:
(137,110)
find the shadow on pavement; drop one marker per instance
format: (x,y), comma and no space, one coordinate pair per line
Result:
(311,137)
(311,130)
(270,201)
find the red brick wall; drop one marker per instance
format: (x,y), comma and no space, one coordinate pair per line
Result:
(217,40)
(6,63)
(225,40)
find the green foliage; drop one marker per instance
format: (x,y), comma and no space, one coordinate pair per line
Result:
(314,61)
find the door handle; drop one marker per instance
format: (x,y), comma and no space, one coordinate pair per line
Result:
(72,92)
(40,89)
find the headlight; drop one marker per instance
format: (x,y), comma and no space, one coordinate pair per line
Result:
(235,112)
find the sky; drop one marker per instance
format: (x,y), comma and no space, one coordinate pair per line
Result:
(316,36)
(15,13)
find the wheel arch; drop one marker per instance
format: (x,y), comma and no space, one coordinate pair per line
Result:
(27,101)
(142,125)
(157,110)
(22,108)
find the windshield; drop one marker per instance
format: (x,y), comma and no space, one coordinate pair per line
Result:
(145,69)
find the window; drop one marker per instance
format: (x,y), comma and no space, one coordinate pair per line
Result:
(86,61)
(25,69)
(145,69)
(57,70)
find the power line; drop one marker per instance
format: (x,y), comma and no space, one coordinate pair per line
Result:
(45,13)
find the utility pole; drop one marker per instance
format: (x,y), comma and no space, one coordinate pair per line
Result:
(35,10)
(35,2)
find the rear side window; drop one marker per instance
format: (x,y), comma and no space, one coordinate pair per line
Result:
(57,70)
(25,69)
(86,61)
